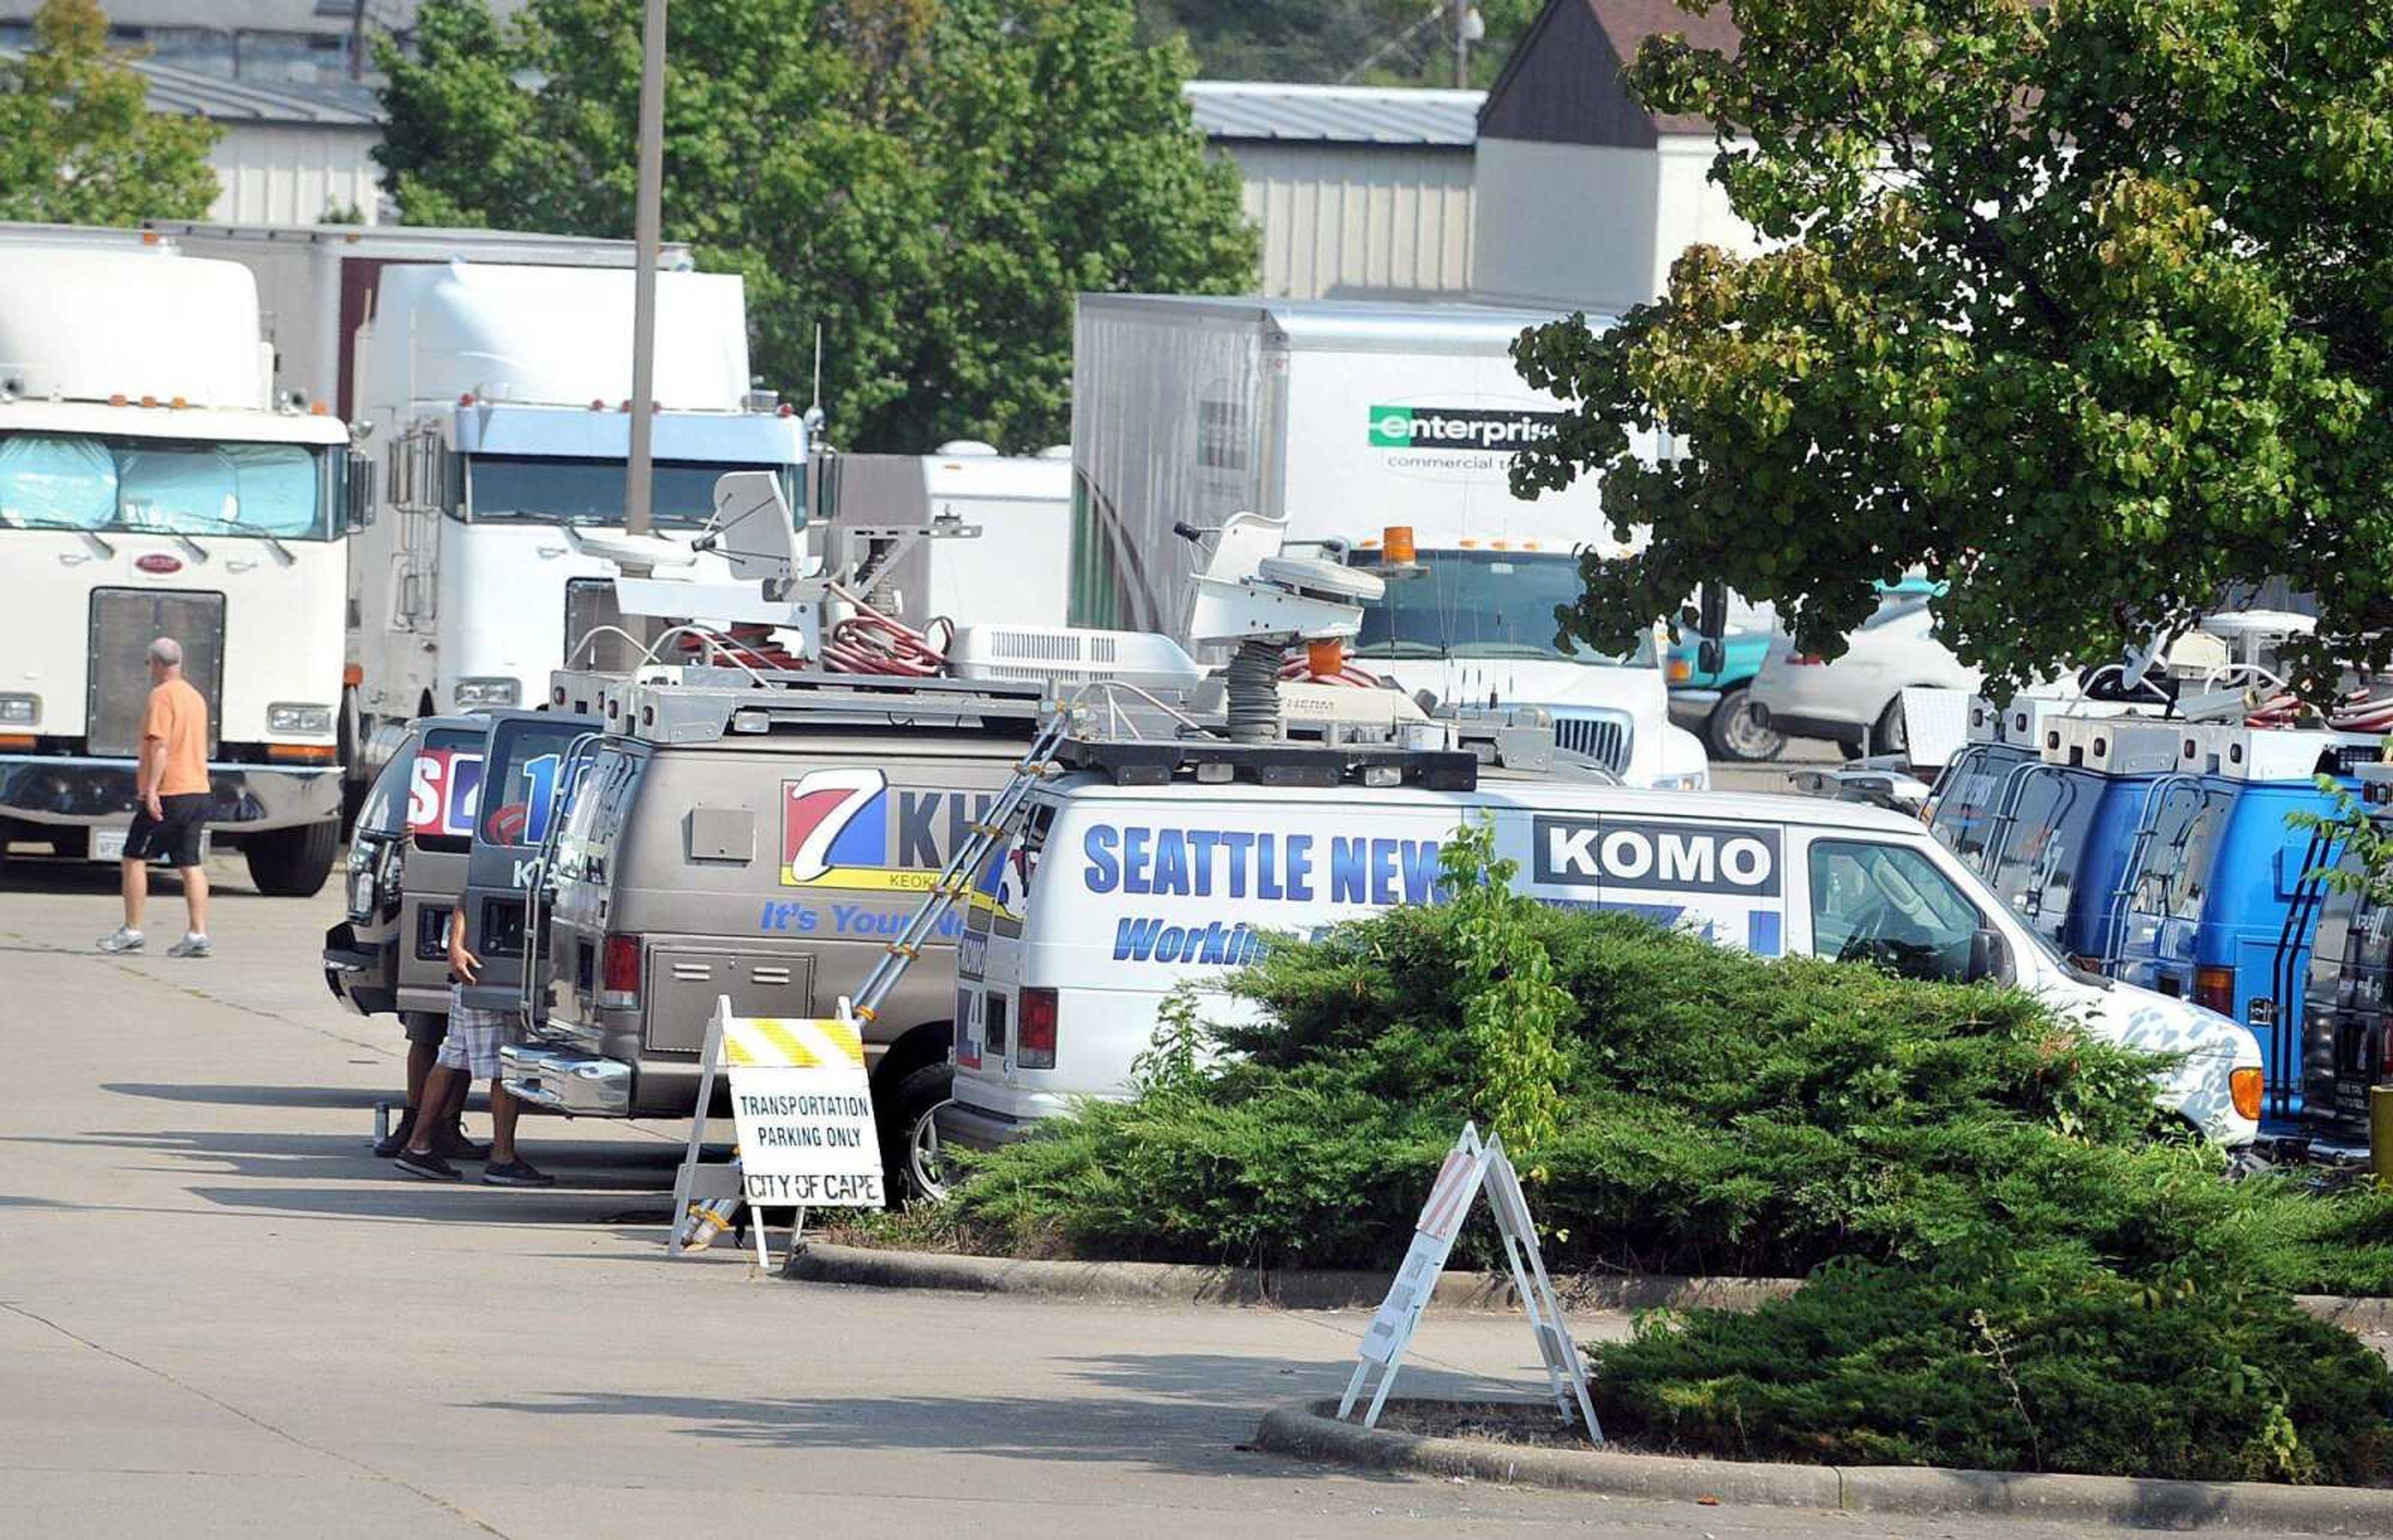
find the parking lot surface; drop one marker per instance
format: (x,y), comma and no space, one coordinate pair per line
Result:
(220,1315)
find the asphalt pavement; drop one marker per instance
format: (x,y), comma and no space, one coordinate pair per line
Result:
(220,1315)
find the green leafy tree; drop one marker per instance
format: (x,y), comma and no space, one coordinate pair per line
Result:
(2086,307)
(78,142)
(928,181)
(1513,1011)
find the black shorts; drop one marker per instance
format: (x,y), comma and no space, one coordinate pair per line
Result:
(424,1026)
(173,836)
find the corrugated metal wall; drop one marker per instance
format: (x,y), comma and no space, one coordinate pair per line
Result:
(294,174)
(1359,220)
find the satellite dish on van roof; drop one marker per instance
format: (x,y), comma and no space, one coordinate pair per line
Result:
(956,447)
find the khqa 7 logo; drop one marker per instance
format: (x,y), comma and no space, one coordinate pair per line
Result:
(848,828)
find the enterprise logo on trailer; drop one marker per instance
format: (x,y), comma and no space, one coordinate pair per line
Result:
(1425,428)
(1674,857)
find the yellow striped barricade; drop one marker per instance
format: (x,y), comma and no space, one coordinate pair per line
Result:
(803,1105)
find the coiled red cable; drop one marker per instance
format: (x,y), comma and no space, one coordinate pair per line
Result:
(872,643)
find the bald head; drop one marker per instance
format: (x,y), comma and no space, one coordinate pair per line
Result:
(166,657)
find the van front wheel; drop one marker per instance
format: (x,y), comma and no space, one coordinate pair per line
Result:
(910,1145)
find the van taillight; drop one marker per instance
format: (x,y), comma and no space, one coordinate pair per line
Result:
(1034,1030)
(2215,989)
(619,973)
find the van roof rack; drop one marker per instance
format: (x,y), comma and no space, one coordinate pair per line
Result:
(1160,762)
(677,703)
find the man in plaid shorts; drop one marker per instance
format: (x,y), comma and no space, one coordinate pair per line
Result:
(470,1053)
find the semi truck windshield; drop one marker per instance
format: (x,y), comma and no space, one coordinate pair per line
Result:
(106,484)
(543,491)
(1480,604)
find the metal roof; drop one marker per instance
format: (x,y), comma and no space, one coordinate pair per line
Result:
(1335,114)
(1398,326)
(222,100)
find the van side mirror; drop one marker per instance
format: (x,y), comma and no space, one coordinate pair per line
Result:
(1711,626)
(1990,956)
(360,514)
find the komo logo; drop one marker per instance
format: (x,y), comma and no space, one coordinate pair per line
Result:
(1406,427)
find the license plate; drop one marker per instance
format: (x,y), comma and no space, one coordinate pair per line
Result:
(108,843)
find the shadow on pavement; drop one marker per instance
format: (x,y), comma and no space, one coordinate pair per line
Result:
(335,1176)
(256,1096)
(1188,1413)
(1153,1430)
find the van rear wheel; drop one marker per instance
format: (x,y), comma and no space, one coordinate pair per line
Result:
(293,862)
(910,1148)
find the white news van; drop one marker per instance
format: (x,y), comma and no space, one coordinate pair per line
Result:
(1345,418)
(151,486)
(1114,895)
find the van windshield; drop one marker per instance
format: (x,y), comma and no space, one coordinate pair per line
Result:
(2035,871)
(1480,604)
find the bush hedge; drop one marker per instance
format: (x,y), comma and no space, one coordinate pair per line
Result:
(2019,1265)
(2056,1364)
(1721,1115)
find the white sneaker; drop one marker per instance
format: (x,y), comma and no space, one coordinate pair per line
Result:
(192,945)
(123,939)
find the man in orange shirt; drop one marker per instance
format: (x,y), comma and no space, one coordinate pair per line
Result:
(172,788)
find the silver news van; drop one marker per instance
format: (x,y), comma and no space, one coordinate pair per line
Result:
(406,866)
(760,836)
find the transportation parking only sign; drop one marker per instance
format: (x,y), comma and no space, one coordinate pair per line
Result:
(804,1107)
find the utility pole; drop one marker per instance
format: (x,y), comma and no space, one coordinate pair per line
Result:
(1461,43)
(647,235)
(357,42)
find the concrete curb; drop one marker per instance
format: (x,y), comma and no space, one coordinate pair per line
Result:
(1287,1288)
(1310,1432)
(1171,1283)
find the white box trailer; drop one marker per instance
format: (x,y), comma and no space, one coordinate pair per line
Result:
(1015,573)
(150,486)
(317,283)
(1345,418)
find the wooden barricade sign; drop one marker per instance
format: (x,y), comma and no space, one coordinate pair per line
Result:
(803,1105)
(1469,1168)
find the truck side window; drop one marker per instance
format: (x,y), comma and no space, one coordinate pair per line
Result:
(1888,905)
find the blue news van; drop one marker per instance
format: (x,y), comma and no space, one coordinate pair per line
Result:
(2221,900)
(2067,832)
(2348,1005)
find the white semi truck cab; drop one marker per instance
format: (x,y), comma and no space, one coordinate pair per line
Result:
(498,401)
(151,486)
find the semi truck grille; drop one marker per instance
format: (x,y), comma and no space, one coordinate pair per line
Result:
(589,603)
(1603,736)
(124,622)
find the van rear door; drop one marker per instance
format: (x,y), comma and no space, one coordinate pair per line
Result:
(523,767)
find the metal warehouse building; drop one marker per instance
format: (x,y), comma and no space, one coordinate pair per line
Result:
(289,154)
(1359,191)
